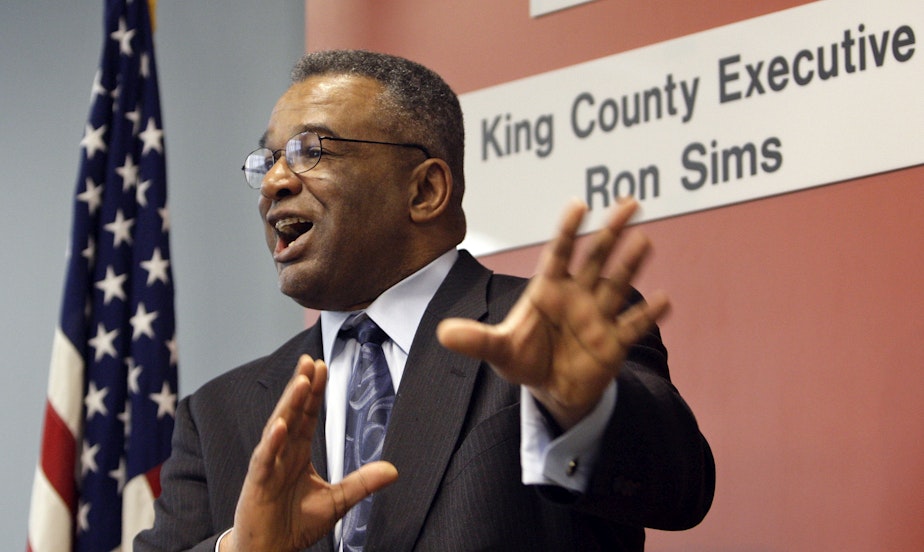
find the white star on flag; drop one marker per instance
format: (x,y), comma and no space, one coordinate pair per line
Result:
(93,196)
(89,252)
(152,137)
(124,36)
(128,172)
(166,401)
(97,88)
(145,67)
(121,229)
(157,268)
(141,322)
(119,475)
(134,371)
(83,517)
(88,458)
(94,401)
(111,285)
(104,342)
(165,218)
(93,140)
(126,419)
(174,349)
(135,118)
(140,192)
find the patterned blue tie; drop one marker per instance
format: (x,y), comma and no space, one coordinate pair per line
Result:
(370,398)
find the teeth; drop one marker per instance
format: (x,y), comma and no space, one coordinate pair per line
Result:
(291,228)
(281,225)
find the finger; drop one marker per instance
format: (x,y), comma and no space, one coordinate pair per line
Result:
(290,421)
(315,398)
(556,256)
(296,391)
(295,402)
(263,460)
(641,318)
(291,402)
(301,417)
(611,292)
(604,242)
(361,483)
(472,338)
(318,385)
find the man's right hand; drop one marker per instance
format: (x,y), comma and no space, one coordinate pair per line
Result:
(284,503)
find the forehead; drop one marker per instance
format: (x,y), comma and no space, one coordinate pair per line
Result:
(340,105)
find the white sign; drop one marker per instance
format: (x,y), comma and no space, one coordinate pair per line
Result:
(542,7)
(817,94)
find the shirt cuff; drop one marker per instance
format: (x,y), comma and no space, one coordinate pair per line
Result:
(223,535)
(567,460)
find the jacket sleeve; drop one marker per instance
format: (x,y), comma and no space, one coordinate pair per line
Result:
(183,517)
(655,467)
(216,430)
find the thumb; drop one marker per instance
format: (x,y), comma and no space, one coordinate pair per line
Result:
(361,483)
(471,338)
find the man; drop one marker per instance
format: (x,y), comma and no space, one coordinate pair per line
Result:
(527,416)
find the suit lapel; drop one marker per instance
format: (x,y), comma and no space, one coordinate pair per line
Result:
(429,411)
(280,367)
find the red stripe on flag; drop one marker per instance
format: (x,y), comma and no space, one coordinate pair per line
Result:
(153,476)
(59,454)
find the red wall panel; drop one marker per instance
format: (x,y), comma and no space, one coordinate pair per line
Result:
(797,319)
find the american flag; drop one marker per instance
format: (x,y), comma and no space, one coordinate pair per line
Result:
(113,380)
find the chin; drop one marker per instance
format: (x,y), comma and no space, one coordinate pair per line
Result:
(293,288)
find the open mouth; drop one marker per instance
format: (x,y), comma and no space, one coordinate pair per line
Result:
(289,229)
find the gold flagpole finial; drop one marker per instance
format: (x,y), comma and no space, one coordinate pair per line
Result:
(152,7)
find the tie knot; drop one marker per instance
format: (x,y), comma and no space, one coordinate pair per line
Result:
(366,331)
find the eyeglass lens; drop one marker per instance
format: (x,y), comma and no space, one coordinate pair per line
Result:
(303,151)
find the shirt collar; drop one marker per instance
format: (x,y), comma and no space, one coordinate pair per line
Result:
(399,309)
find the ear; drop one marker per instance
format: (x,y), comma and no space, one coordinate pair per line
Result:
(430,190)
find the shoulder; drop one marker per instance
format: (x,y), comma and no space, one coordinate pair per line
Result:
(269,371)
(500,291)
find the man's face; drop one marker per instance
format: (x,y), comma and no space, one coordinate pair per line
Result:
(338,233)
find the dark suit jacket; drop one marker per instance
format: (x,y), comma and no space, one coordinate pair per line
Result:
(454,436)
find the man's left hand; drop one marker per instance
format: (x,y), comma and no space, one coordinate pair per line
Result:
(566,337)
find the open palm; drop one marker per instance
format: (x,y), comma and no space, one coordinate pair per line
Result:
(567,335)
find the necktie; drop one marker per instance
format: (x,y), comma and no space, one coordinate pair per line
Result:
(370,398)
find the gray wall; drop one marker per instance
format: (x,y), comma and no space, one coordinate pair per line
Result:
(221,67)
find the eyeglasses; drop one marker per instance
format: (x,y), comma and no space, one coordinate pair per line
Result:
(303,152)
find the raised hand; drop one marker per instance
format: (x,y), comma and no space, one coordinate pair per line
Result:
(567,336)
(284,503)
